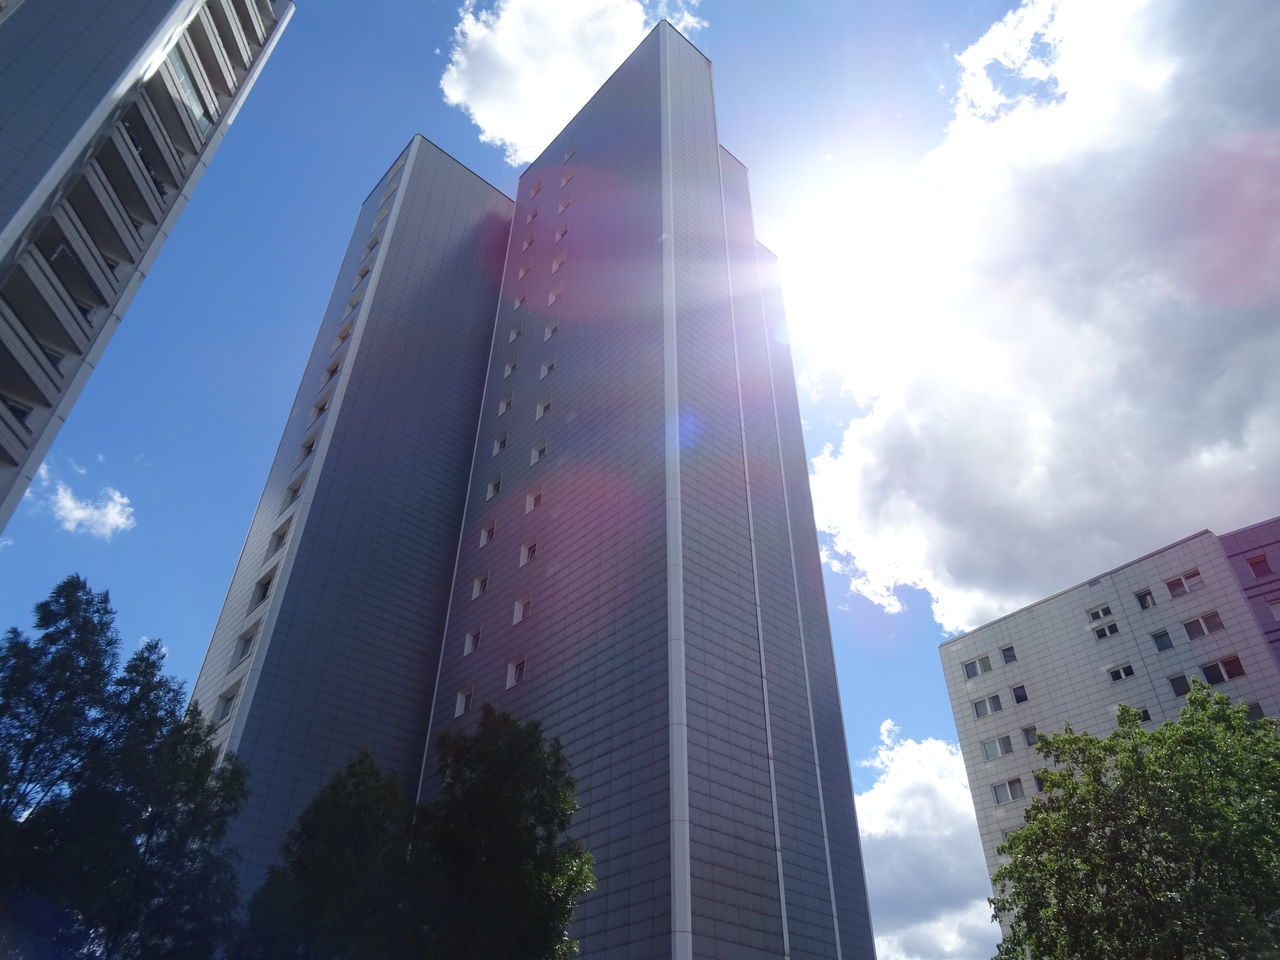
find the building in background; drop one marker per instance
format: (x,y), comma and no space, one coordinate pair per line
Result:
(547,454)
(1206,607)
(109,113)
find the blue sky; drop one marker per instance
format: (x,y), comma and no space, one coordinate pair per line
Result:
(1030,255)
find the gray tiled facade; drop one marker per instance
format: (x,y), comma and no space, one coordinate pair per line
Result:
(1135,635)
(624,550)
(109,114)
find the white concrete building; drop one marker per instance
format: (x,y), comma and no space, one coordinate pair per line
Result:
(1206,607)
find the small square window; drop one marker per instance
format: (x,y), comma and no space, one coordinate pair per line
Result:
(463,703)
(1019,694)
(1008,654)
(1162,640)
(551,330)
(487,533)
(1144,715)
(535,189)
(504,404)
(564,180)
(531,215)
(523,271)
(987,706)
(493,489)
(514,332)
(1179,685)
(515,672)
(1029,736)
(1273,604)
(294,491)
(278,538)
(499,444)
(548,367)
(1194,628)
(1122,673)
(521,609)
(471,641)
(1255,711)
(244,643)
(564,205)
(1176,587)
(519,300)
(1146,600)
(344,334)
(308,448)
(528,242)
(226,703)
(1100,613)
(561,233)
(1009,790)
(554,295)
(1212,673)
(320,409)
(1232,667)
(479,585)
(537,453)
(528,552)
(1212,622)
(1110,630)
(977,667)
(331,371)
(557,263)
(543,408)
(569,153)
(1039,784)
(510,368)
(532,501)
(261,590)
(999,747)
(1260,566)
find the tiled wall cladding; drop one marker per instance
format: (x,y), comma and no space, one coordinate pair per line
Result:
(1067,669)
(58,60)
(349,645)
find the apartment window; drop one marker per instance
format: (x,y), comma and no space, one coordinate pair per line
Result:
(19,411)
(535,190)
(320,409)
(382,215)
(557,263)
(974,668)
(487,532)
(514,332)
(463,703)
(504,404)
(537,453)
(1203,625)
(548,367)
(308,448)
(294,491)
(1146,599)
(1181,586)
(1039,783)
(1260,567)
(564,181)
(554,295)
(493,489)
(1100,613)
(331,371)
(226,703)
(261,590)
(551,330)
(1179,685)
(1220,671)
(523,271)
(360,274)
(278,538)
(564,205)
(510,368)
(1009,790)
(519,302)
(1029,736)
(1255,711)
(543,408)
(343,336)
(470,643)
(1162,640)
(987,705)
(1019,694)
(561,233)
(1274,604)
(499,444)
(528,552)
(998,747)
(515,672)
(244,643)
(532,501)
(479,585)
(528,242)
(521,609)
(373,242)
(1110,630)
(531,215)
(569,153)
(1008,655)
(1121,673)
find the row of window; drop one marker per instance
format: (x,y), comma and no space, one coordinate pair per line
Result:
(980,665)
(992,704)
(466,696)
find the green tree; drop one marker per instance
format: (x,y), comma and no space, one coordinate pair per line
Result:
(339,891)
(486,870)
(1156,844)
(115,806)
(494,859)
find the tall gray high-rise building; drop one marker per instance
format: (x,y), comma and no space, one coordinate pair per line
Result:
(547,454)
(109,113)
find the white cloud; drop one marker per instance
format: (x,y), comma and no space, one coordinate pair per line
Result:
(522,68)
(925,873)
(76,467)
(104,517)
(1056,334)
(6,542)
